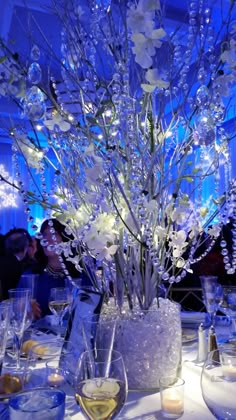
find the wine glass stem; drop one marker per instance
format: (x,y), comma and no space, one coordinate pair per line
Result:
(17,345)
(213,318)
(60,323)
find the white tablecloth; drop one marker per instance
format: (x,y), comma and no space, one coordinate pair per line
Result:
(140,406)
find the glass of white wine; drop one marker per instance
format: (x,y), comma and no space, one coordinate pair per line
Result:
(101,384)
(59,302)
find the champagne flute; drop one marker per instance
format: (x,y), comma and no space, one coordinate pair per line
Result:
(101,384)
(59,302)
(4,326)
(19,304)
(212,295)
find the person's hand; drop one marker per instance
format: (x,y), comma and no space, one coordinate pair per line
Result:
(36,310)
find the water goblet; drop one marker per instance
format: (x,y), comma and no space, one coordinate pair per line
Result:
(212,295)
(60,299)
(101,384)
(19,306)
(218,386)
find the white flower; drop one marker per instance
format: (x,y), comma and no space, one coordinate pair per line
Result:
(137,18)
(57,122)
(178,242)
(107,253)
(178,215)
(31,153)
(145,46)
(214,230)
(155,80)
(161,232)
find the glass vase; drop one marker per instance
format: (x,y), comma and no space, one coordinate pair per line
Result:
(149,341)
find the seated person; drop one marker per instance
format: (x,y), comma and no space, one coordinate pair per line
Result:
(51,271)
(11,267)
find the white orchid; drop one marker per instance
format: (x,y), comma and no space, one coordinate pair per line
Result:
(214,230)
(138,18)
(155,81)
(145,46)
(178,242)
(57,121)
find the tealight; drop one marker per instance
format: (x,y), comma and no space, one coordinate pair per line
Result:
(229,372)
(172,397)
(55,379)
(172,406)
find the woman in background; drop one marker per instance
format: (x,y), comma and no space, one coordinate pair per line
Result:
(50,270)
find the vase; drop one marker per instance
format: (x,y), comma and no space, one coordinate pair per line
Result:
(150,342)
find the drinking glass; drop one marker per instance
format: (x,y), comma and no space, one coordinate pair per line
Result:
(228,306)
(4,326)
(30,281)
(218,386)
(212,295)
(41,403)
(19,306)
(101,384)
(60,299)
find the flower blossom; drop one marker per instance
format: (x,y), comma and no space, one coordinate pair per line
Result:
(178,242)
(145,46)
(140,17)
(155,81)
(57,122)
(214,231)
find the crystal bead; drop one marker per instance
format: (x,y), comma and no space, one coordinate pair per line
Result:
(231,271)
(224,252)
(227,267)
(223,244)
(202,95)
(35,53)
(33,103)
(165,276)
(34,73)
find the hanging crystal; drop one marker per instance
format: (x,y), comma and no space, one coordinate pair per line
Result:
(35,53)
(33,104)
(202,95)
(204,128)
(34,73)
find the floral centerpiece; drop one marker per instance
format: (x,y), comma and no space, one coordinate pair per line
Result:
(133,129)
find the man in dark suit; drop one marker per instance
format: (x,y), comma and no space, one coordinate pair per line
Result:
(16,245)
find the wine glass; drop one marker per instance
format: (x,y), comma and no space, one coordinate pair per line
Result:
(101,384)
(60,299)
(228,306)
(212,295)
(218,386)
(19,300)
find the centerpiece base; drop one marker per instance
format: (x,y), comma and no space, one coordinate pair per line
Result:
(150,342)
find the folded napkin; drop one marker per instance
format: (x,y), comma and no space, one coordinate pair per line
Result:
(192,317)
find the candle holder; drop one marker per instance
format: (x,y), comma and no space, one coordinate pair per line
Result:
(228,362)
(172,397)
(55,376)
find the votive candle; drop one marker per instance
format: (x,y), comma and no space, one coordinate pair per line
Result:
(55,379)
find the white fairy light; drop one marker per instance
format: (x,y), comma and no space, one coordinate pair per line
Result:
(8,197)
